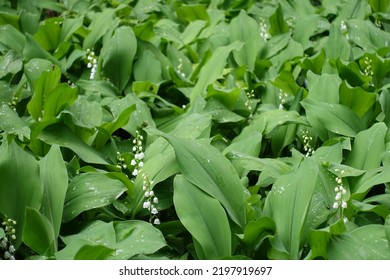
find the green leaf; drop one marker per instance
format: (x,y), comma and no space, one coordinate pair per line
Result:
(17,193)
(364,243)
(366,35)
(212,232)
(89,191)
(115,240)
(55,183)
(380,6)
(101,23)
(11,123)
(333,117)
(44,84)
(118,53)
(213,69)
(205,167)
(324,87)
(359,100)
(191,13)
(38,233)
(69,27)
(61,135)
(368,148)
(292,193)
(12,38)
(337,45)
(243,28)
(277,22)
(48,35)
(148,68)
(255,232)
(33,50)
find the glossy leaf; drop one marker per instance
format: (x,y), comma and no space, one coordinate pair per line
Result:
(118,54)
(17,193)
(89,191)
(55,183)
(243,28)
(211,232)
(333,117)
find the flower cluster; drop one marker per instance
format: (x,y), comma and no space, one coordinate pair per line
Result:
(180,68)
(344,29)
(248,103)
(341,192)
(307,144)
(92,63)
(263,29)
(368,68)
(7,250)
(282,96)
(151,200)
(12,104)
(139,155)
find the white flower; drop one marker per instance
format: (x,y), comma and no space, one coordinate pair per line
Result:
(155,200)
(11,249)
(151,193)
(133,162)
(345,220)
(147,194)
(154,211)
(338,180)
(7,255)
(135,172)
(140,164)
(338,196)
(156,221)
(344,204)
(146,205)
(335,205)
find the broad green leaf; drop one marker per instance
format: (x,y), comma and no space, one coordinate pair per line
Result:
(368,148)
(370,179)
(58,99)
(192,13)
(286,82)
(34,69)
(337,45)
(11,123)
(359,100)
(38,233)
(324,87)
(243,28)
(85,113)
(135,238)
(101,23)
(118,53)
(293,193)
(148,67)
(61,135)
(18,192)
(364,243)
(220,113)
(277,22)
(192,31)
(10,63)
(213,69)
(69,27)
(12,38)
(48,35)
(43,86)
(305,27)
(55,183)
(121,240)
(33,50)
(333,117)
(89,191)
(255,232)
(380,6)
(104,88)
(366,35)
(205,167)
(212,232)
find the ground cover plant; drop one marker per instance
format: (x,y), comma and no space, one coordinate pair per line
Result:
(221,129)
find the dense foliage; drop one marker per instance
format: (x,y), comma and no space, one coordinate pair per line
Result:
(195,129)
